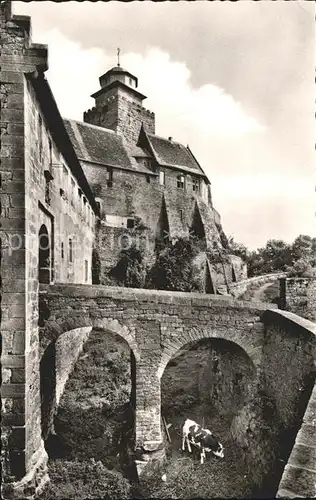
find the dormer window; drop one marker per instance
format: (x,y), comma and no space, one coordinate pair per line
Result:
(180,181)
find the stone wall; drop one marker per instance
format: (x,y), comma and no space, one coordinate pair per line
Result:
(28,156)
(212,374)
(298,295)
(22,450)
(299,476)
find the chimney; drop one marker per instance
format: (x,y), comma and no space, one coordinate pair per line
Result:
(170,139)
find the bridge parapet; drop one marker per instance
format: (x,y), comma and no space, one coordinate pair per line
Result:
(240,287)
(150,296)
(289,364)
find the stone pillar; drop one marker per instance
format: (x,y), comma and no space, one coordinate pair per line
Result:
(23,454)
(149,443)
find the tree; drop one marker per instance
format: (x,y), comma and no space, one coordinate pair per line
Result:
(304,247)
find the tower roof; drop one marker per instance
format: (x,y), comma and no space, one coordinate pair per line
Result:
(117,70)
(119,77)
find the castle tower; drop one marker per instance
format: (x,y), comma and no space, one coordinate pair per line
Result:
(118,106)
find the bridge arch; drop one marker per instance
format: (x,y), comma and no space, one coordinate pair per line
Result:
(53,329)
(55,368)
(254,353)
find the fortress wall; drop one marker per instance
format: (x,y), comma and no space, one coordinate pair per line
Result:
(25,155)
(298,295)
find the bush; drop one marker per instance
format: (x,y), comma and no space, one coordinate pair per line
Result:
(173,268)
(89,480)
(129,270)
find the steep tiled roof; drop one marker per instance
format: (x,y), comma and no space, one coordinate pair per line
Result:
(173,154)
(100,145)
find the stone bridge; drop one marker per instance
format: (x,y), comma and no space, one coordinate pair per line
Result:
(155,324)
(278,345)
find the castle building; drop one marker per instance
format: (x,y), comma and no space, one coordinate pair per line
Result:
(149,188)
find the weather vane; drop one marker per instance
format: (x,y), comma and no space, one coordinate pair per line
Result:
(118,56)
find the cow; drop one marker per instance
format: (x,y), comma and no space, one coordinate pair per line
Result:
(192,433)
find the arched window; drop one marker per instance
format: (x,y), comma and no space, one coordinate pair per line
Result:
(44,270)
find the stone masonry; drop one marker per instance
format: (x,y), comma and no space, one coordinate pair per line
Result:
(32,151)
(298,295)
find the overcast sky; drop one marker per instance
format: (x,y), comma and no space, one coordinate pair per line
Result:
(232,80)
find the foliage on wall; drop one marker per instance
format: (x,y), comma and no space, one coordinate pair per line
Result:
(130,269)
(173,267)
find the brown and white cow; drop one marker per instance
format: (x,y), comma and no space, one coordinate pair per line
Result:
(192,433)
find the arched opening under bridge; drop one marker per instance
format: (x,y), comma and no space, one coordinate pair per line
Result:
(94,412)
(209,381)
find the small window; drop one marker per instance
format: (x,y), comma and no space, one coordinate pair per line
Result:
(73,192)
(196,185)
(50,153)
(48,178)
(162,177)
(40,137)
(109,177)
(181,215)
(47,191)
(130,81)
(180,181)
(148,179)
(62,249)
(65,180)
(130,223)
(70,250)
(86,270)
